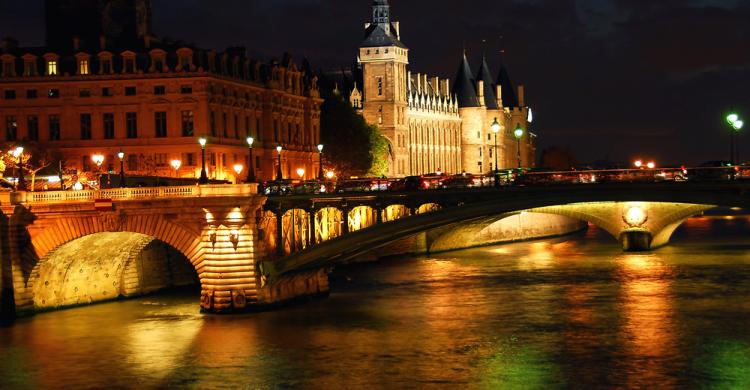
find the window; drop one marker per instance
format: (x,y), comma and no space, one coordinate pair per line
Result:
(107,66)
(189,159)
(160,122)
(83,67)
(288,132)
(480,152)
(84,93)
(132,162)
(86,163)
(11,128)
(186,89)
(131,124)
(129,91)
(160,90)
(85,126)
(380,86)
(51,68)
(257,162)
(107,92)
(188,123)
(31,94)
(10,94)
(275,130)
(247,126)
(160,159)
(224,123)
(8,69)
(236,127)
(129,65)
(54,127)
(32,123)
(213,124)
(258,133)
(109,126)
(53,93)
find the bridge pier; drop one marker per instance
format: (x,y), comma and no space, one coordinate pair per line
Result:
(636,240)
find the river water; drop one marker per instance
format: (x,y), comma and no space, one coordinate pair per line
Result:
(563,313)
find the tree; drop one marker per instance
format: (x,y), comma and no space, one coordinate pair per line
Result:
(34,160)
(353,148)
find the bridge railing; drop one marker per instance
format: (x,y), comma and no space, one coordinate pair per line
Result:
(130,193)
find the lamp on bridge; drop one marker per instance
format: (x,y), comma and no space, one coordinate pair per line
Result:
(638,164)
(496,129)
(320,157)
(238,169)
(279,174)
(519,134)
(204,176)
(737,124)
(98,159)
(250,162)
(18,156)
(176,164)
(301,173)
(121,156)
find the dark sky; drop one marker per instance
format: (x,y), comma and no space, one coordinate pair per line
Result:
(610,78)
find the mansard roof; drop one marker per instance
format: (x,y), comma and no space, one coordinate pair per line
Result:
(490,100)
(463,86)
(510,99)
(377,36)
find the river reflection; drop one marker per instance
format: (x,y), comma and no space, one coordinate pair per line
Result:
(563,313)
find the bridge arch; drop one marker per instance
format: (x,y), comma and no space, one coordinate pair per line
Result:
(362,217)
(105,266)
(428,208)
(328,224)
(394,212)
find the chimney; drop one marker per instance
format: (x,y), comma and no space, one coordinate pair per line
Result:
(521,97)
(436,85)
(147,41)
(408,81)
(480,90)
(76,43)
(424,83)
(397,27)
(419,83)
(446,87)
(102,42)
(499,94)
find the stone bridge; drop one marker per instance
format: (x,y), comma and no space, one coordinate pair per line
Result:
(76,247)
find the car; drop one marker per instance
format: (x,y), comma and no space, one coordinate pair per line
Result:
(464,180)
(713,171)
(278,187)
(409,183)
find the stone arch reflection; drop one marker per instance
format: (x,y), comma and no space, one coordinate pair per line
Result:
(106,266)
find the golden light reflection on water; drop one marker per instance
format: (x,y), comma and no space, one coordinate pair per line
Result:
(155,348)
(648,328)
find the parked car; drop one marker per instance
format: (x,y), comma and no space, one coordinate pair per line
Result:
(278,187)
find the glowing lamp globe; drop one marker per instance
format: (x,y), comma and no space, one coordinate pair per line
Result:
(238,168)
(638,163)
(738,124)
(495,126)
(635,216)
(651,165)
(301,172)
(250,141)
(320,148)
(330,174)
(518,132)
(279,149)
(731,118)
(202,141)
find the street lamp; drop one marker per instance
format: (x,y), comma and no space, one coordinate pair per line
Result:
(238,169)
(279,174)
(121,156)
(519,134)
(320,167)
(496,129)
(638,164)
(651,165)
(176,164)
(18,154)
(330,175)
(250,162)
(204,176)
(734,121)
(98,159)
(301,173)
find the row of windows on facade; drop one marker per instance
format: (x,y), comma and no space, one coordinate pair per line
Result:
(108,126)
(54,93)
(135,163)
(386,50)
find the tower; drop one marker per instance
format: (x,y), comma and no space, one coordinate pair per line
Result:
(384,58)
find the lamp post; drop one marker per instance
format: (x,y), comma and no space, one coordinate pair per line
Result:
(496,129)
(20,182)
(204,176)
(121,156)
(734,121)
(250,162)
(301,173)
(320,161)
(176,164)
(98,159)
(279,174)
(519,134)
(238,169)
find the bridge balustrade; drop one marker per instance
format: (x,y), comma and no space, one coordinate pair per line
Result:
(130,193)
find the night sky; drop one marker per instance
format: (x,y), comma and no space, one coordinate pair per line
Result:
(612,79)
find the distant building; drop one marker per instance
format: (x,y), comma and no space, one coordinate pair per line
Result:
(432,126)
(101,88)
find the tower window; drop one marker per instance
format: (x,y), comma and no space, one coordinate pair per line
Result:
(51,68)
(380,86)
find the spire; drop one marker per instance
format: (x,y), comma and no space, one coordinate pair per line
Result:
(381,13)
(510,99)
(463,87)
(490,100)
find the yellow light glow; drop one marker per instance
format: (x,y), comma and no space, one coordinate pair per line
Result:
(330,174)
(638,163)
(238,168)
(301,172)
(651,165)
(176,164)
(635,216)
(98,159)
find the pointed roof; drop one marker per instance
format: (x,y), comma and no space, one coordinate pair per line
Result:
(490,100)
(510,99)
(381,32)
(463,86)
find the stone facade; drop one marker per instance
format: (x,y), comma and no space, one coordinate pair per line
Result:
(153,100)
(431,126)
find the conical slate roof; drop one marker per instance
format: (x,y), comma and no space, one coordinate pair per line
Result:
(510,99)
(490,100)
(463,86)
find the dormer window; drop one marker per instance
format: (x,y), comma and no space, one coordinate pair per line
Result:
(83,67)
(52,67)
(29,68)
(128,62)
(8,69)
(184,60)
(158,61)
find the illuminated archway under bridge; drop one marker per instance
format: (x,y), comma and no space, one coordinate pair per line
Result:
(640,216)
